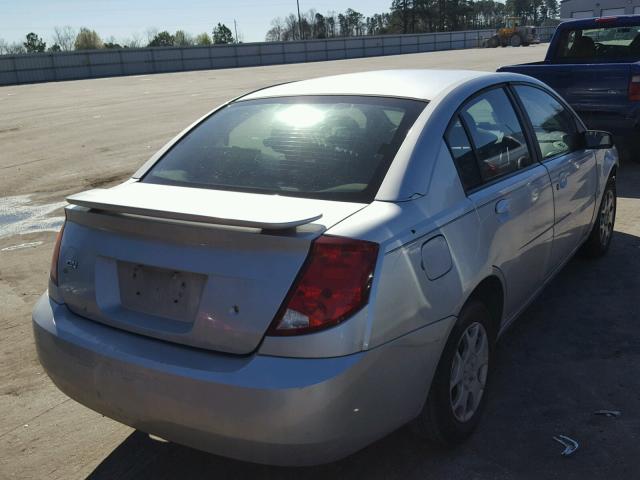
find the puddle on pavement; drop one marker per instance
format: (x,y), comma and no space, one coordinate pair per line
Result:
(19,216)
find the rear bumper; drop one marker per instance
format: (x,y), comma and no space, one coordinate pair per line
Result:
(273,410)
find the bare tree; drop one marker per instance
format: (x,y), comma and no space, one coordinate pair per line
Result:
(331,19)
(151,33)
(276,32)
(11,48)
(135,41)
(65,37)
(292,32)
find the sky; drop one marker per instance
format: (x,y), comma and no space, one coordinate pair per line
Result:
(124,18)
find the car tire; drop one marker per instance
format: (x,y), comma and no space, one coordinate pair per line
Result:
(599,239)
(450,414)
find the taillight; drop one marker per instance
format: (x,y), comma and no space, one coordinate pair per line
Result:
(53,273)
(606,19)
(634,88)
(332,285)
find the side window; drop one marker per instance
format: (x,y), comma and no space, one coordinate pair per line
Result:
(500,144)
(554,125)
(463,155)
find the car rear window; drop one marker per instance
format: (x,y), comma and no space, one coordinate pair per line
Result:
(332,147)
(603,44)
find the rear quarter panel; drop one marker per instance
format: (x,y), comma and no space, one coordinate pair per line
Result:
(403,297)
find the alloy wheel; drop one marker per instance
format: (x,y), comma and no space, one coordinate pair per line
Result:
(607,216)
(469,372)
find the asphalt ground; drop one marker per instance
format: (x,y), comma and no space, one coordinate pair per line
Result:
(574,351)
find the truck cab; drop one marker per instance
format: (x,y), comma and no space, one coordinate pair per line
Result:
(595,65)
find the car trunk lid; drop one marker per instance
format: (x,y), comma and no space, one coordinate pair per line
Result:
(199,267)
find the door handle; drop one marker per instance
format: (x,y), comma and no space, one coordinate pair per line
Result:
(503,206)
(562,182)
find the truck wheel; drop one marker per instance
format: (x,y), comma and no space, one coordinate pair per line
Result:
(516,41)
(458,391)
(600,237)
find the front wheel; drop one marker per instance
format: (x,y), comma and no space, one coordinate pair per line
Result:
(600,237)
(457,396)
(516,41)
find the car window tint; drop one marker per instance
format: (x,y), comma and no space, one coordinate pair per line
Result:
(554,126)
(336,148)
(497,135)
(600,44)
(462,152)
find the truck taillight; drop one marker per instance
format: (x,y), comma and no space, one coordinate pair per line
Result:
(606,19)
(53,273)
(332,285)
(634,88)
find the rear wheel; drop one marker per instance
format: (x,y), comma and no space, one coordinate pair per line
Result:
(492,42)
(516,41)
(600,237)
(457,395)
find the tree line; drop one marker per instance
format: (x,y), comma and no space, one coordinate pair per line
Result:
(404,16)
(66,39)
(412,16)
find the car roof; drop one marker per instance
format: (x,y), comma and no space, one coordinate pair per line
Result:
(420,84)
(602,22)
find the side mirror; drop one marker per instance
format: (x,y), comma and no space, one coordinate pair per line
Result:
(597,139)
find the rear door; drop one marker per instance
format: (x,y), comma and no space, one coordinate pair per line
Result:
(571,168)
(509,188)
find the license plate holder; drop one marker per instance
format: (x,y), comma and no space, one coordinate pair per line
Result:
(161,292)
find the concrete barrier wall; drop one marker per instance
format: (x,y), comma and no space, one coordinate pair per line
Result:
(47,67)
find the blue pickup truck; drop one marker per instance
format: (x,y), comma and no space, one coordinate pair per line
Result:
(595,65)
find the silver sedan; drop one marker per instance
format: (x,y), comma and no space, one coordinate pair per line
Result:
(313,265)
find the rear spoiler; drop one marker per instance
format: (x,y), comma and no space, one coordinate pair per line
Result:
(216,207)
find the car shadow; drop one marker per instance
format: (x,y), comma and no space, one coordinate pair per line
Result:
(575,350)
(628,181)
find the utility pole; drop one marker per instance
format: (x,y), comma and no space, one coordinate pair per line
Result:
(299,20)
(235,29)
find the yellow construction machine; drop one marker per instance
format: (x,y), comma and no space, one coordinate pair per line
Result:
(513,33)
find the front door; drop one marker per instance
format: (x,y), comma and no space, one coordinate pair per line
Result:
(571,168)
